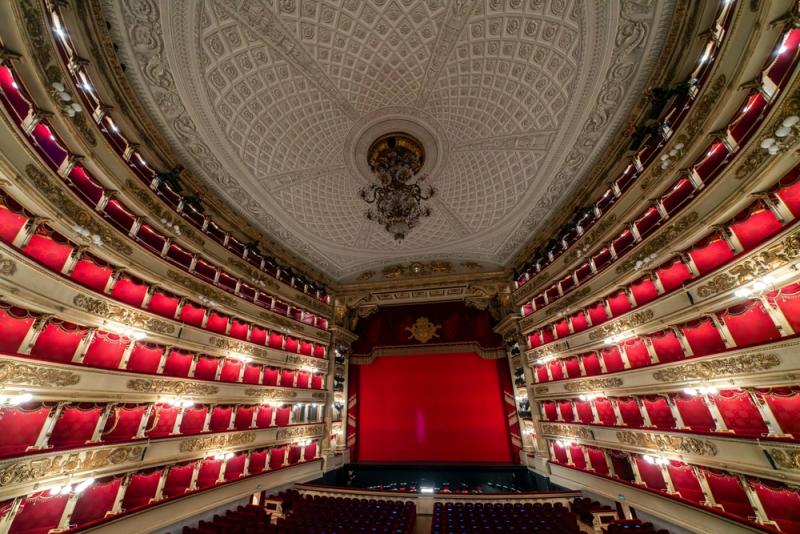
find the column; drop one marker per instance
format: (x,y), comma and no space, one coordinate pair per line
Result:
(587,459)
(195,473)
(722,328)
(267,459)
(66,515)
(220,362)
(777,316)
(232,421)
(679,335)
(575,416)
(645,414)
(651,351)
(595,414)
(80,351)
(253,420)
(767,415)
(207,421)
(611,472)
(689,263)
(776,205)
(700,475)
(176,427)
(568,450)
(617,414)
(72,260)
(163,360)
(42,440)
(97,435)
(676,413)
(715,414)
(581,366)
(302,451)
(563,365)
(637,476)
(193,366)
(222,467)
(246,470)
(33,334)
(273,420)
(6,520)
(755,502)
(667,479)
(117,506)
(729,237)
(240,378)
(162,480)
(27,232)
(286,454)
(126,355)
(623,354)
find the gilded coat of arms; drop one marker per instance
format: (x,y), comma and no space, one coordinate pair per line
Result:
(423,330)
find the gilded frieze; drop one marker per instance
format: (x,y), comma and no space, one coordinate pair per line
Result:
(237,346)
(122,315)
(200,288)
(659,243)
(315,363)
(567,302)
(35,469)
(301,432)
(218,442)
(26,374)
(270,394)
(593,384)
(668,443)
(785,458)
(7,267)
(550,350)
(719,367)
(568,431)
(174,387)
(617,327)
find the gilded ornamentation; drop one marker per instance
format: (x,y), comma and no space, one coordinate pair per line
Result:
(567,302)
(773,257)
(731,366)
(617,327)
(7,267)
(590,238)
(270,394)
(300,432)
(319,395)
(62,201)
(256,275)
(122,315)
(541,390)
(27,374)
(423,330)
(170,220)
(366,275)
(174,387)
(199,288)
(569,431)
(549,350)
(757,155)
(669,443)
(785,458)
(316,363)
(38,468)
(417,269)
(660,242)
(237,346)
(218,442)
(593,384)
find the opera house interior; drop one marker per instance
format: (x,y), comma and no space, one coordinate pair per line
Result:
(400,266)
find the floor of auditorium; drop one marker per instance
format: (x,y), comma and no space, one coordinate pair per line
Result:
(423,525)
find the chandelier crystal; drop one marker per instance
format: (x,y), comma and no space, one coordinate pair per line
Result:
(396,160)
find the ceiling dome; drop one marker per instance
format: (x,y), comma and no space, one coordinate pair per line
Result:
(273,102)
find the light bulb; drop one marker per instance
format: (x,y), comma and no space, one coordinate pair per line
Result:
(790,121)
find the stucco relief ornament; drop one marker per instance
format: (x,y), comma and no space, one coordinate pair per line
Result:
(423,330)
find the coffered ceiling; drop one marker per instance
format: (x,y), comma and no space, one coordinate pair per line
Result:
(269,102)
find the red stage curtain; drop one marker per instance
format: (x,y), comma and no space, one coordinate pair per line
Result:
(129,290)
(193,420)
(637,353)
(429,411)
(787,299)
(178,480)
(651,475)
(51,252)
(105,350)
(14,326)
(258,335)
(739,413)
(781,503)
(239,329)
(556,371)
(591,363)
(578,460)
(95,501)
(38,514)
(612,359)
(666,346)
(90,273)
(619,303)
(785,405)
(755,227)
(264,417)
(703,337)
(221,418)
(271,376)
(565,409)
(694,413)
(163,304)
(209,471)
(141,489)
(597,313)
(711,253)
(258,461)
(230,370)
(162,420)
(682,476)
(605,412)
(234,469)
(728,493)
(244,416)
(192,314)
(550,410)
(644,291)
(673,275)
(145,357)
(276,458)
(659,412)
(622,467)
(75,426)
(58,341)
(282,417)
(560,453)
(629,410)
(573,367)
(123,423)
(20,426)
(750,324)
(598,460)
(178,364)
(217,322)
(206,368)
(252,373)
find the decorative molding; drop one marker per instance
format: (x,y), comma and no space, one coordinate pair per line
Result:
(591,238)
(784,457)
(548,350)
(562,304)
(593,384)
(660,242)
(301,432)
(167,217)
(668,443)
(617,327)
(122,315)
(718,367)
(541,390)
(7,267)
(223,441)
(174,387)
(29,374)
(36,468)
(423,330)
(64,205)
(270,394)
(202,289)
(569,431)
(775,256)
(417,269)
(316,363)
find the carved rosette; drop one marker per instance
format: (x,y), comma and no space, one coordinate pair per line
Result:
(669,443)
(734,365)
(38,468)
(218,442)
(593,384)
(25,374)
(174,387)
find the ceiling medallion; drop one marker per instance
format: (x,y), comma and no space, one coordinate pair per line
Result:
(395,161)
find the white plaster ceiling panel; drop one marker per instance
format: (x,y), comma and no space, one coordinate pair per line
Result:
(264,98)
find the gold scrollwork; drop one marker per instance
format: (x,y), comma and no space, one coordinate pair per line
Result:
(200,288)
(34,375)
(300,432)
(122,315)
(785,458)
(38,468)
(175,387)
(423,330)
(593,384)
(570,431)
(549,350)
(734,365)
(7,267)
(567,302)
(270,394)
(218,442)
(316,363)
(617,327)
(541,390)
(665,442)
(660,242)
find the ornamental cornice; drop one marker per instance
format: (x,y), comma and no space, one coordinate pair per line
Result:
(622,325)
(263,395)
(122,315)
(305,361)
(718,368)
(301,432)
(222,441)
(593,384)
(29,374)
(563,304)
(551,349)
(668,443)
(167,217)
(174,387)
(660,242)
(568,431)
(202,289)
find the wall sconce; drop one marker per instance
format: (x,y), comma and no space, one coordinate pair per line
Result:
(783,137)
(759,286)
(15,399)
(69,488)
(655,460)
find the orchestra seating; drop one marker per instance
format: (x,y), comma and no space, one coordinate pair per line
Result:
(507,518)
(633,526)
(314,514)
(244,520)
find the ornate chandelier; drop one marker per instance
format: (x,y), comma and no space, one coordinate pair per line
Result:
(395,160)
